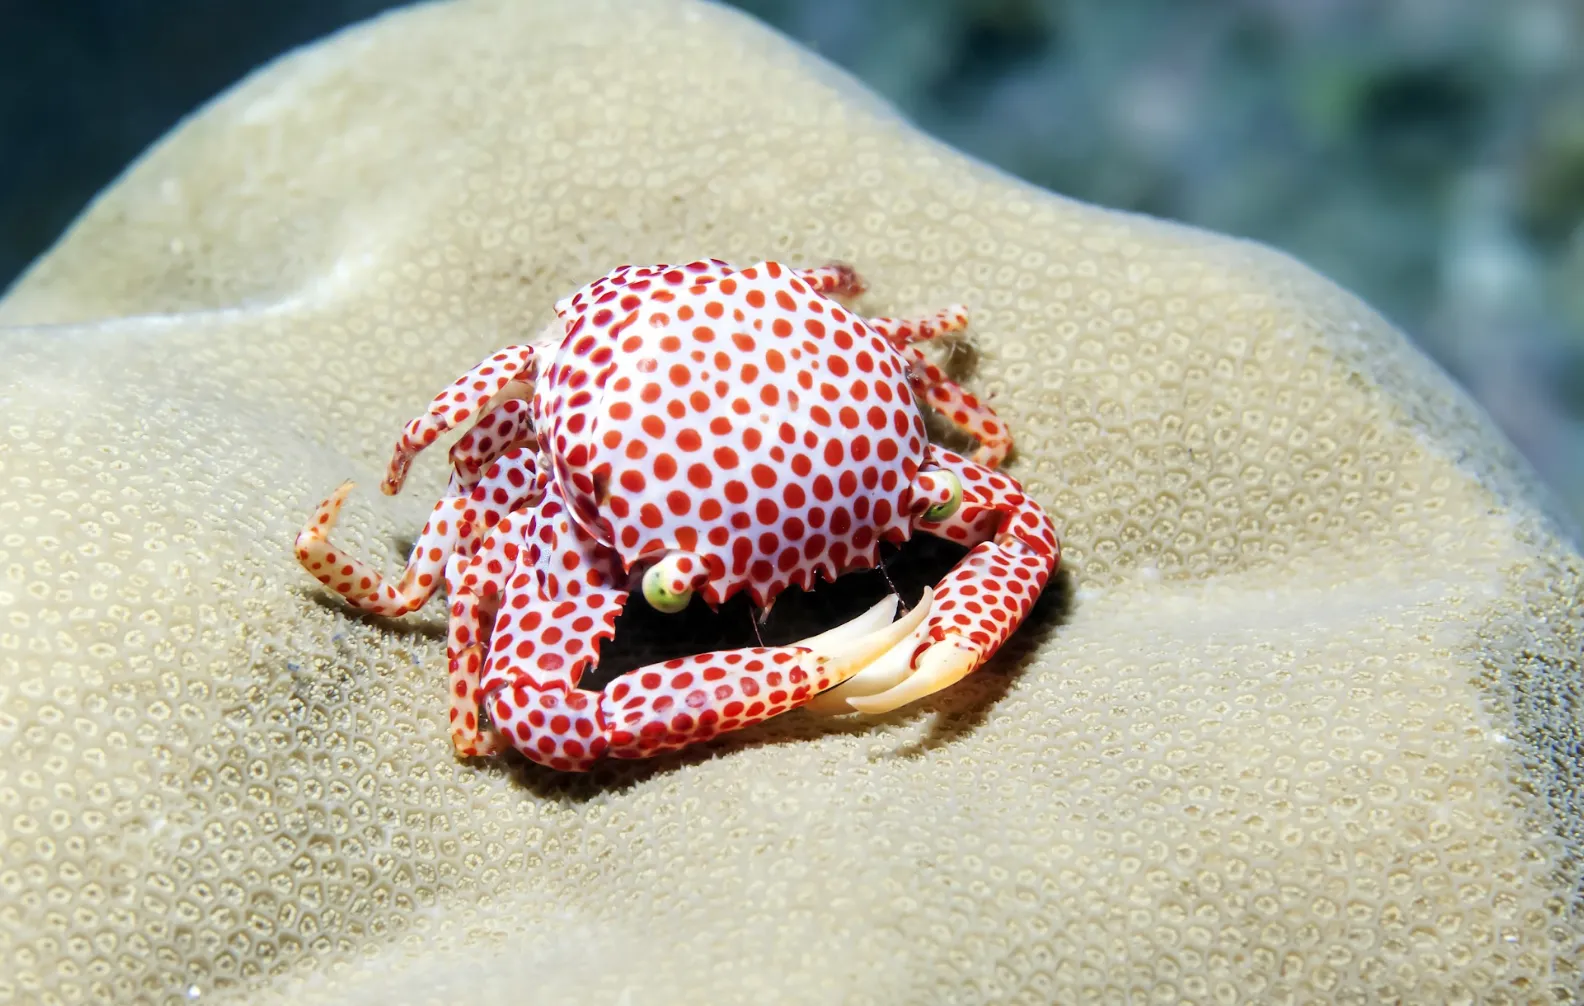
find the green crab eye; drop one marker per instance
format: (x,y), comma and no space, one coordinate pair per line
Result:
(657,589)
(941,511)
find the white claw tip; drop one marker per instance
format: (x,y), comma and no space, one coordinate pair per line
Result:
(939,667)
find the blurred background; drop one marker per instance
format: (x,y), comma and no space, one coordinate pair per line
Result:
(1427,154)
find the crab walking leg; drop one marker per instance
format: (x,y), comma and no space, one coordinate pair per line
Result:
(960,408)
(456,525)
(359,583)
(906,331)
(835,279)
(506,425)
(470,735)
(475,600)
(517,565)
(469,396)
(946,396)
(977,606)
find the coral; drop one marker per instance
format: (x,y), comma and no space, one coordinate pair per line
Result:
(1300,721)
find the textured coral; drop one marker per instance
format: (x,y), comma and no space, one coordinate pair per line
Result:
(1300,724)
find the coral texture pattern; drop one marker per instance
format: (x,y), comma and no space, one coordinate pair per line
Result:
(1296,721)
(654,386)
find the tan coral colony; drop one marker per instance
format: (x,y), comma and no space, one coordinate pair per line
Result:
(1298,721)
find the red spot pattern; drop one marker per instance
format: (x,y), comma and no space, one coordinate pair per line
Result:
(503,427)
(774,361)
(1015,550)
(688,700)
(737,421)
(465,399)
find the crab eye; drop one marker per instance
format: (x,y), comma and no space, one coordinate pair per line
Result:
(941,511)
(657,589)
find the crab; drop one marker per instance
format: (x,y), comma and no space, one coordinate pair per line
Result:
(698,430)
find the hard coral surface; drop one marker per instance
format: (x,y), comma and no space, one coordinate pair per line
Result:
(1300,721)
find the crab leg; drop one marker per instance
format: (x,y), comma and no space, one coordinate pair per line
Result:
(505,375)
(833,280)
(946,396)
(475,600)
(359,583)
(527,619)
(507,424)
(965,412)
(961,409)
(976,607)
(455,526)
(906,331)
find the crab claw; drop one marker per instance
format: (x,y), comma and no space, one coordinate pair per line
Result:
(941,666)
(914,668)
(851,647)
(679,702)
(895,678)
(744,687)
(975,608)
(884,672)
(479,392)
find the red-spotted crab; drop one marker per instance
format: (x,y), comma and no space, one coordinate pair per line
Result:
(698,429)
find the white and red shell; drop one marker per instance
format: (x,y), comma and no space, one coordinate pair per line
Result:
(744,417)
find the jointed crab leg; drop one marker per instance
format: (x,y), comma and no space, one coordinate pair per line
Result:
(507,374)
(959,406)
(961,409)
(455,526)
(834,280)
(508,423)
(906,331)
(946,396)
(360,583)
(527,618)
